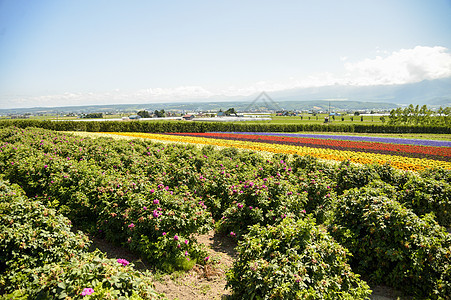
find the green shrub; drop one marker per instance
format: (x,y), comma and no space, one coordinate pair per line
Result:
(351,176)
(143,222)
(41,258)
(72,175)
(31,236)
(108,279)
(391,244)
(391,175)
(261,201)
(307,164)
(425,195)
(437,174)
(172,252)
(293,260)
(177,126)
(319,191)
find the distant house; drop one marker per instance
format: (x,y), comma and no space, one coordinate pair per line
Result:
(188,117)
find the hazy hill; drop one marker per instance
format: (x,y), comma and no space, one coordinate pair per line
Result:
(429,92)
(433,93)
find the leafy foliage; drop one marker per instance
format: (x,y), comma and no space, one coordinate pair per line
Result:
(424,195)
(261,201)
(106,277)
(293,260)
(392,244)
(175,126)
(351,176)
(42,258)
(142,195)
(32,235)
(420,116)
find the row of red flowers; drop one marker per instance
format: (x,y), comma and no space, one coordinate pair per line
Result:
(437,153)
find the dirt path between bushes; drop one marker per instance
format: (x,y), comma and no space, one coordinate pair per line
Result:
(204,283)
(200,283)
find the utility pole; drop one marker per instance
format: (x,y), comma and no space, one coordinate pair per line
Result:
(329,112)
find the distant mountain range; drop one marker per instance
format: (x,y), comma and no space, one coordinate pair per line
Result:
(430,92)
(433,93)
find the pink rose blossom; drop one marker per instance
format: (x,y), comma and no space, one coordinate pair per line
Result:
(87,291)
(123,262)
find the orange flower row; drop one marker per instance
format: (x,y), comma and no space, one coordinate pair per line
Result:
(400,162)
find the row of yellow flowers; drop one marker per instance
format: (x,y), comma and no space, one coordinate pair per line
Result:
(400,162)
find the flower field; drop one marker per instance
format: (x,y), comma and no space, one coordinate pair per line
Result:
(410,156)
(306,228)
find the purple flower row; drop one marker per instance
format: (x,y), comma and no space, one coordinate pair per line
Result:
(355,138)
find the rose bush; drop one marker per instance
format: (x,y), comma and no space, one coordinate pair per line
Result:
(391,244)
(293,260)
(41,257)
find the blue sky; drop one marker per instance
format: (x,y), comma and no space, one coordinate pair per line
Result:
(61,52)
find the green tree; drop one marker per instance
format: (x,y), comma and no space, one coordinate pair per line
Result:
(424,115)
(230,111)
(416,115)
(446,120)
(143,114)
(392,118)
(160,113)
(93,116)
(407,114)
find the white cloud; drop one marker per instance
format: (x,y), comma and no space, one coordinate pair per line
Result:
(400,67)
(178,93)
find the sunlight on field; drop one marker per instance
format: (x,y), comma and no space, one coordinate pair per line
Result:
(400,162)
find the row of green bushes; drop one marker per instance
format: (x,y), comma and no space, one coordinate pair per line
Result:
(137,201)
(388,243)
(104,188)
(42,258)
(107,185)
(183,126)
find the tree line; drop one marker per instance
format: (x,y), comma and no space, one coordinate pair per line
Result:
(416,115)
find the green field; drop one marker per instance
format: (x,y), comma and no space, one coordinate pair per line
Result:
(319,119)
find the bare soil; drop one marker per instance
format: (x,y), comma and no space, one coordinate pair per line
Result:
(207,282)
(202,282)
